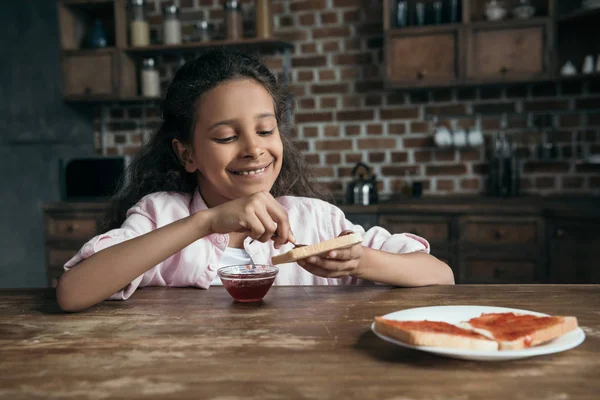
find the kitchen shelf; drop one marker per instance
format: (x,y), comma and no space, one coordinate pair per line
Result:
(425,29)
(265,45)
(580,14)
(111,99)
(86,52)
(510,23)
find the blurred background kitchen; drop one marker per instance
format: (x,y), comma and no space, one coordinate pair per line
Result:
(474,123)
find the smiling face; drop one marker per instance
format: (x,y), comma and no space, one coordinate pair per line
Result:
(236,149)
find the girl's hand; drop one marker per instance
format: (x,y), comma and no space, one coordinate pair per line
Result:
(258,214)
(336,263)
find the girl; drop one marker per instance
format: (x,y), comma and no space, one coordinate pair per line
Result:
(220,184)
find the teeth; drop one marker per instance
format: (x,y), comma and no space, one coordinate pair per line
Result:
(258,171)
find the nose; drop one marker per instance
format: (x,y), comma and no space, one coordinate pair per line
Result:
(251,145)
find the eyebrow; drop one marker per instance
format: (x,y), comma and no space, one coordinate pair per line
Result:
(230,121)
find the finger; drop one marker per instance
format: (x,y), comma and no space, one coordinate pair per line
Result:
(329,264)
(255,226)
(280,216)
(316,270)
(269,226)
(346,232)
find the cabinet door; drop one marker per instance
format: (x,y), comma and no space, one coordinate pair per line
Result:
(90,74)
(574,251)
(494,270)
(497,54)
(420,60)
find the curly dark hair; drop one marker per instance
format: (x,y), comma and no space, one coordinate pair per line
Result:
(157,168)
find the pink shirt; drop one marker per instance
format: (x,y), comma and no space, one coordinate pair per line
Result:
(312,221)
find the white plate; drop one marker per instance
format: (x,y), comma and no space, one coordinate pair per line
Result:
(456,314)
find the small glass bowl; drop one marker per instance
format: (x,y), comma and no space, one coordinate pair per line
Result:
(248,283)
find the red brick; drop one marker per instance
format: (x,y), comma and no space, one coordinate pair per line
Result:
(470,155)
(357,115)
(533,167)
(323,172)
(445,185)
(588,168)
(374,129)
(418,142)
(399,170)
(308,48)
(347,3)
(351,101)
(307,19)
(353,157)
(352,130)
(308,103)
(441,95)
(458,109)
(286,21)
(369,86)
(313,61)
(399,156)
(331,130)
(329,18)
(490,124)
(423,155)
(312,159)
(456,169)
(342,144)
(445,155)
(350,73)
(301,145)
(400,113)
(310,131)
(328,102)
(369,29)
(419,127)
(333,187)
(396,129)
(333,158)
(372,143)
(353,44)
(588,103)
(373,100)
(376,157)
(314,117)
(292,36)
(331,47)
(490,92)
(273,63)
(358,58)
(328,32)
(546,105)
(330,88)
(327,75)
(351,16)
(304,76)
(305,5)
(595,182)
(396,98)
(593,119)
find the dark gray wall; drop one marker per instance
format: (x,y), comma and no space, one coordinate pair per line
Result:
(36,129)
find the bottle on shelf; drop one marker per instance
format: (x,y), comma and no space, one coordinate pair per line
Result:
(171,25)
(139,28)
(150,79)
(264,21)
(234,24)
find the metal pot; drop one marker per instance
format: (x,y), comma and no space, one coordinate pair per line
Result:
(363,188)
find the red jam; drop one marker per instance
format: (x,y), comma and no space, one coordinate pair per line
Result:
(511,326)
(248,283)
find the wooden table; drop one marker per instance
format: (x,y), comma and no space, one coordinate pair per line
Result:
(299,343)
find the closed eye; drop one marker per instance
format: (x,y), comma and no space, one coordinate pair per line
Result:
(266,133)
(226,140)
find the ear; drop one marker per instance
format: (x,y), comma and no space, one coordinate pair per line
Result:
(184,153)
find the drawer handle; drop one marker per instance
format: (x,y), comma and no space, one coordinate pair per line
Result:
(87,91)
(560,232)
(421,74)
(72,227)
(503,70)
(498,235)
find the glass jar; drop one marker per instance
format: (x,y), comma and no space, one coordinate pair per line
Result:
(203,31)
(234,24)
(150,79)
(264,20)
(171,25)
(139,28)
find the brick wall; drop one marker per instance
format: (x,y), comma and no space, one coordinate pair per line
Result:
(343,114)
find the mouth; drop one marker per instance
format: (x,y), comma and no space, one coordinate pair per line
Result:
(251,171)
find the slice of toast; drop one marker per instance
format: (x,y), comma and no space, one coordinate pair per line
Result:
(517,331)
(299,253)
(434,333)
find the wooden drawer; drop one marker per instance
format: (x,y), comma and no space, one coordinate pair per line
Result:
(499,271)
(434,230)
(80,228)
(90,74)
(501,231)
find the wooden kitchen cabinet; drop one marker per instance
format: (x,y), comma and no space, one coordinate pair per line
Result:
(90,74)
(574,249)
(508,53)
(423,58)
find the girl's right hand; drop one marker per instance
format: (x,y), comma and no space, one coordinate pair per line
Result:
(259,214)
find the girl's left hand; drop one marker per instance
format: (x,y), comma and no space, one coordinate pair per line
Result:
(335,264)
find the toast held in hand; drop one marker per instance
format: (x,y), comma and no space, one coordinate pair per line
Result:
(302,252)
